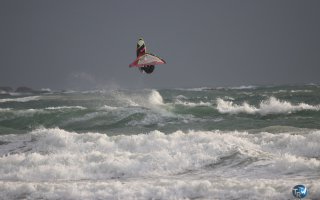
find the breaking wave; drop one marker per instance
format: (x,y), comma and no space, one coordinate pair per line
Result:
(160,144)
(55,157)
(269,106)
(47,154)
(155,98)
(146,98)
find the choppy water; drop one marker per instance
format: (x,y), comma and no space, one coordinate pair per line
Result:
(200,143)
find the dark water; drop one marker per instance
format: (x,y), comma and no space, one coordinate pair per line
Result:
(139,111)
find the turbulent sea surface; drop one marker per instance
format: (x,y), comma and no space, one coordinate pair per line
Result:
(199,143)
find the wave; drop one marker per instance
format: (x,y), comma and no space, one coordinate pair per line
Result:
(243,87)
(194,89)
(144,98)
(269,106)
(192,164)
(121,109)
(22,113)
(21,99)
(180,97)
(283,91)
(128,116)
(155,98)
(192,104)
(164,188)
(149,99)
(65,108)
(300,91)
(5,109)
(106,107)
(31,111)
(69,155)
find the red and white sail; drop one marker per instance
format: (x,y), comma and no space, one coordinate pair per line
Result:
(147,59)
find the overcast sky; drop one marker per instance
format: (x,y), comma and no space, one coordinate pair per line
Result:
(64,44)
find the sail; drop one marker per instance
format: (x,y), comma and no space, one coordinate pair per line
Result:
(147,59)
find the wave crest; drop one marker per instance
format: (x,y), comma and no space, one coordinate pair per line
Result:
(269,106)
(47,154)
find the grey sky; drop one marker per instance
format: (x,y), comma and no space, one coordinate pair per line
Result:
(88,44)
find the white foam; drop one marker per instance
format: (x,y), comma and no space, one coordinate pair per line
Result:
(181,97)
(31,111)
(155,98)
(229,98)
(303,145)
(229,107)
(5,109)
(269,106)
(278,91)
(140,155)
(290,91)
(125,100)
(182,100)
(192,104)
(24,112)
(143,98)
(58,154)
(164,188)
(57,164)
(150,99)
(244,87)
(300,91)
(199,89)
(106,107)
(22,99)
(66,108)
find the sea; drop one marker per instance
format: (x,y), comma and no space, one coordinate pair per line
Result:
(248,142)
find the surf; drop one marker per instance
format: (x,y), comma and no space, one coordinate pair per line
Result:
(271,105)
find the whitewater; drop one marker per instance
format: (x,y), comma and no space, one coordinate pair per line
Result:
(247,142)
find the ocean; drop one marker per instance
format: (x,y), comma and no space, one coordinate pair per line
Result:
(248,142)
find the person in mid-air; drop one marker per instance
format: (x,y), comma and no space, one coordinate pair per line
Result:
(145,61)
